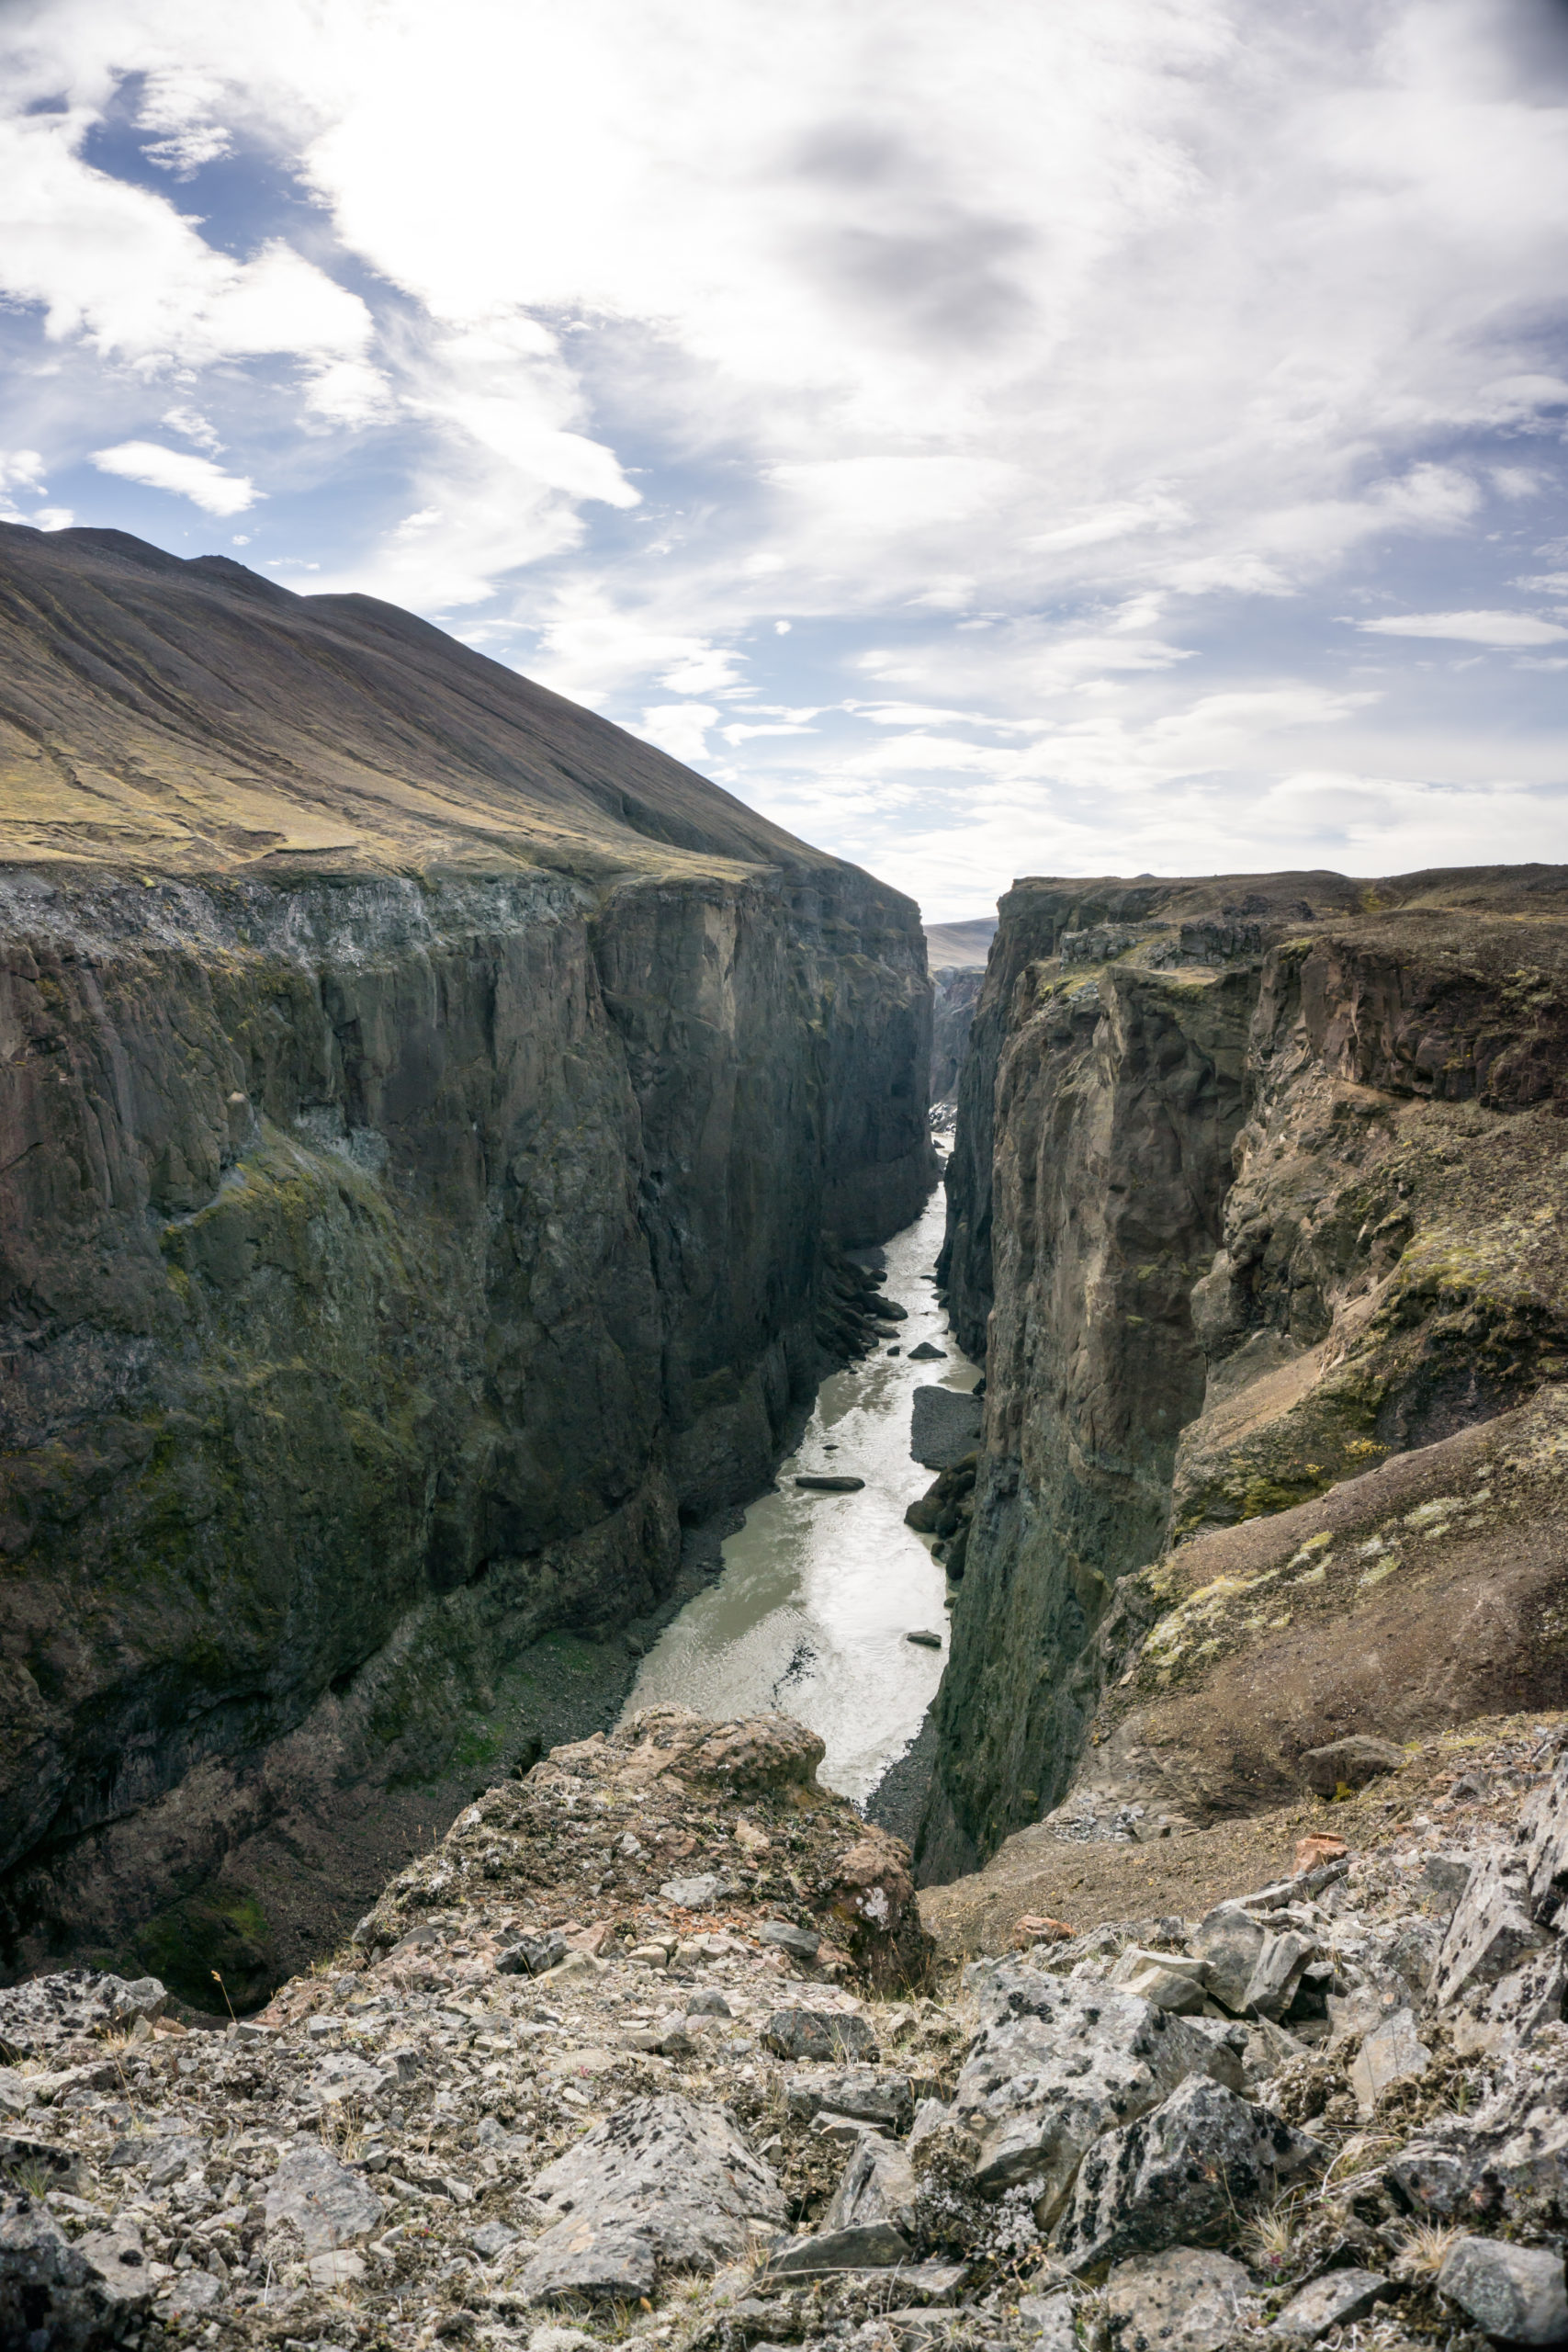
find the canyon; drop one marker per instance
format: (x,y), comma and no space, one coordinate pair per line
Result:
(432,1121)
(1256,1212)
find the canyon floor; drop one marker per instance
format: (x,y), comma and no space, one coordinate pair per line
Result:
(656,2049)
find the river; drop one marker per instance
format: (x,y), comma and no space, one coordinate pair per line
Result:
(818,1592)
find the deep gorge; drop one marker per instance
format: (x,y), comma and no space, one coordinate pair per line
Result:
(401,1237)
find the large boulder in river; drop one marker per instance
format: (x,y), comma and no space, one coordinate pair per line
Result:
(945,1427)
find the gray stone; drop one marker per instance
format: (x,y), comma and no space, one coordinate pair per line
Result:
(923,1639)
(1347,1764)
(1515,2293)
(826,1484)
(822,2035)
(1490,1933)
(493,2238)
(1052,2060)
(694,1894)
(532,1955)
(1543,1827)
(328,2205)
(1333,2301)
(195,2292)
(16,2092)
(868,2245)
(1047,2323)
(865,2092)
(56,2297)
(945,1426)
(1229,1942)
(39,2014)
(37,2163)
(662,2180)
(1445,1876)
(1530,1995)
(1187,2300)
(926,1353)
(709,2002)
(801,1943)
(1507,2161)
(1176,2174)
(1170,1980)
(1278,1972)
(169,2160)
(1390,2054)
(876,2185)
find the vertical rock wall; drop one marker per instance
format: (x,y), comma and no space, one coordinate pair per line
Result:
(387,1267)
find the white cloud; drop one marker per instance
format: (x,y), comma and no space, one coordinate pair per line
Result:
(680,727)
(175,469)
(1472,628)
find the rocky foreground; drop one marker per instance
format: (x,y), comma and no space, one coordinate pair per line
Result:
(653,2050)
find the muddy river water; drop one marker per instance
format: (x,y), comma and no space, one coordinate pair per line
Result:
(819,1592)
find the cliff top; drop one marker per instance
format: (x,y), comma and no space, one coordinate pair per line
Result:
(191,716)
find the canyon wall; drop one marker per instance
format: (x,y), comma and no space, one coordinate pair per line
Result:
(1259,1186)
(413,1206)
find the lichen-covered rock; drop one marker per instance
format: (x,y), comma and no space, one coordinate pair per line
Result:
(1189,2300)
(1199,2161)
(1507,2161)
(1490,1932)
(660,2182)
(1513,2293)
(328,2205)
(1335,2299)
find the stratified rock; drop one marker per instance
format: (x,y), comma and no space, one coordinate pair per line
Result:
(876,2185)
(1189,2300)
(1230,1942)
(1051,2064)
(1333,2301)
(1174,2174)
(662,2181)
(867,2093)
(1513,2292)
(1276,1973)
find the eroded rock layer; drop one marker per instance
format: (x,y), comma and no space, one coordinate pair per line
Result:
(1257,1185)
(411,1208)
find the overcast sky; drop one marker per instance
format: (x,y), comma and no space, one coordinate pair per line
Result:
(1069,436)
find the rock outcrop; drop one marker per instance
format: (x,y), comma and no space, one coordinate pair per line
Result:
(430,1118)
(956,995)
(1257,1203)
(537,2097)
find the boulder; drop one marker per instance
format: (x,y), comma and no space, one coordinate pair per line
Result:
(1515,2293)
(868,2245)
(1276,1973)
(864,2092)
(1507,2161)
(876,2185)
(56,2297)
(1047,2323)
(662,2180)
(1053,2062)
(40,2015)
(944,1427)
(801,1943)
(1178,2173)
(532,1955)
(874,1914)
(1187,2300)
(1230,1941)
(1347,1764)
(328,2205)
(821,2035)
(1333,2300)
(1170,1980)
(1530,1996)
(824,1484)
(1390,2054)
(1491,1931)
(1543,1827)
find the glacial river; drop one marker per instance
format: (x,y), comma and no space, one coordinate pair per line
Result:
(818,1592)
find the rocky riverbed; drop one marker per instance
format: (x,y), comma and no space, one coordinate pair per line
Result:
(653,2049)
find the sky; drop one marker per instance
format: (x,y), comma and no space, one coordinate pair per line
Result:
(1087,437)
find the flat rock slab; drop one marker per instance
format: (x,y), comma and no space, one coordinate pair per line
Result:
(1491,1931)
(830,1486)
(877,2185)
(801,1943)
(1187,2300)
(945,1427)
(1390,2054)
(864,2245)
(1333,2301)
(328,2205)
(662,2180)
(1180,2172)
(865,2092)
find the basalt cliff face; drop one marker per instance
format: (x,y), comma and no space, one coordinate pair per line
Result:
(424,1108)
(1257,1213)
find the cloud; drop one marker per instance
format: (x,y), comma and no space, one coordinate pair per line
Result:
(680,727)
(175,469)
(1474,628)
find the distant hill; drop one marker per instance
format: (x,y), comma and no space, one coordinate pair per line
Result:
(950,945)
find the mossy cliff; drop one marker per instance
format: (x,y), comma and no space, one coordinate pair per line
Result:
(396,1243)
(1259,1184)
